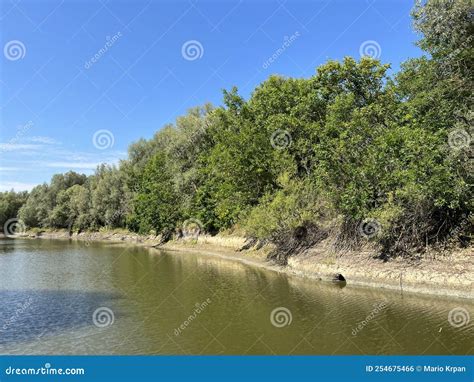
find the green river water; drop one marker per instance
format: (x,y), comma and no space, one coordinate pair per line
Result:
(60,297)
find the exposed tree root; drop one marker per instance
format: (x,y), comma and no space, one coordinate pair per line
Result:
(294,241)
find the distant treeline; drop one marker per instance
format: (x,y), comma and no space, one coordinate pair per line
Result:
(350,151)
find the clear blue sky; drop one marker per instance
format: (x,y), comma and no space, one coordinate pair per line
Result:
(55,98)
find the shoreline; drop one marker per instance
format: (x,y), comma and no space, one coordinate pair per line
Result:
(444,275)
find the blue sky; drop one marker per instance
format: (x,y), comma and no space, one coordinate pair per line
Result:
(81,80)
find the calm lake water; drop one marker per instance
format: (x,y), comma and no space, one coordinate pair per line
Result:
(59,297)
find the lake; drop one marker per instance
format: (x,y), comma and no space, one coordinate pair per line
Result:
(60,297)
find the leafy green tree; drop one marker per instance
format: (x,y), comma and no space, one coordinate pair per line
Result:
(41,209)
(80,207)
(237,167)
(110,197)
(156,205)
(347,144)
(10,203)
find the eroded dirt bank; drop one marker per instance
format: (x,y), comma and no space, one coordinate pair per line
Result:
(436,274)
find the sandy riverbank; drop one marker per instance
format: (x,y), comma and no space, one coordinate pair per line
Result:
(450,274)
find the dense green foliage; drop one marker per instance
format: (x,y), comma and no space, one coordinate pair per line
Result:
(331,151)
(10,203)
(76,201)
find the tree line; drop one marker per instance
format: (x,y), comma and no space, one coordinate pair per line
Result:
(350,151)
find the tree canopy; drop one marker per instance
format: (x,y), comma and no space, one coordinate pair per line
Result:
(348,145)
